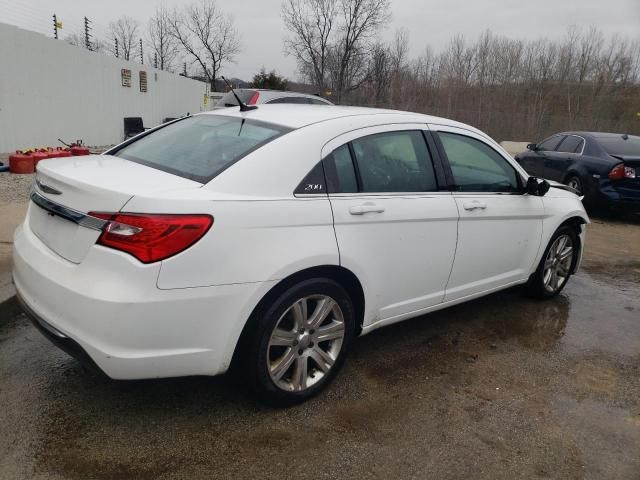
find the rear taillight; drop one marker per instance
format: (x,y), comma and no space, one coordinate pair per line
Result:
(620,172)
(254,98)
(149,237)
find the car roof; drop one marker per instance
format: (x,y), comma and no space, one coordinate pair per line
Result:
(297,116)
(596,135)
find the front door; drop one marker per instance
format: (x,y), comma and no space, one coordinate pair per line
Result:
(396,230)
(500,227)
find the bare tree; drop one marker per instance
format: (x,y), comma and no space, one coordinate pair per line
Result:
(332,39)
(311,24)
(164,47)
(125,31)
(207,35)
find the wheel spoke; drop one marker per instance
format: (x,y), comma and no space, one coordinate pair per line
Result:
(299,310)
(563,269)
(321,312)
(548,263)
(561,242)
(300,372)
(322,358)
(282,338)
(278,370)
(330,332)
(566,253)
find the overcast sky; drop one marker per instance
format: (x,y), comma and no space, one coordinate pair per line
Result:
(430,22)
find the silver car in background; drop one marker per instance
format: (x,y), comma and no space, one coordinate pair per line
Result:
(256,96)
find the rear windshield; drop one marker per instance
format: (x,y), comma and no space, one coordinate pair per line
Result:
(620,146)
(202,146)
(230,101)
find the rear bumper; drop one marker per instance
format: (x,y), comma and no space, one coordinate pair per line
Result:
(108,311)
(620,198)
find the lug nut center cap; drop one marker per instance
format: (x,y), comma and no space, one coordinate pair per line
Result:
(304,340)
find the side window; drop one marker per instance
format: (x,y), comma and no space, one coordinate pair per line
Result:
(571,144)
(550,143)
(476,167)
(341,175)
(315,101)
(394,162)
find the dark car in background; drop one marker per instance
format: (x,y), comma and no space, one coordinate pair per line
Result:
(604,167)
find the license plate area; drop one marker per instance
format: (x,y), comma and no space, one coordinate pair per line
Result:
(64,237)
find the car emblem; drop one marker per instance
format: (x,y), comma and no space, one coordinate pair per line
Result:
(47,189)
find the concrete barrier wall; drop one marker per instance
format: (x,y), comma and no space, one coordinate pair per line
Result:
(50,89)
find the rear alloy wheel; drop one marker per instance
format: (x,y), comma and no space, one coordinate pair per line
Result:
(305,343)
(556,265)
(301,342)
(575,183)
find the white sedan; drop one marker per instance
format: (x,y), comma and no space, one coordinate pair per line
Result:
(268,239)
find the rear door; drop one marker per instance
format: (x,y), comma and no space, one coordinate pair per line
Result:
(396,229)
(566,154)
(500,227)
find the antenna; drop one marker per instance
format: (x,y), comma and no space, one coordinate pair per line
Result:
(243,107)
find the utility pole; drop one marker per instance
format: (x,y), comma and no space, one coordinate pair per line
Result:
(55,26)
(117,51)
(87,34)
(185,69)
(155,60)
(141,53)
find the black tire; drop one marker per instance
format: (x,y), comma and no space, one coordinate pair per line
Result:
(535,287)
(254,361)
(575,182)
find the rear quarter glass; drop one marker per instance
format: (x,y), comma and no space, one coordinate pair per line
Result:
(202,146)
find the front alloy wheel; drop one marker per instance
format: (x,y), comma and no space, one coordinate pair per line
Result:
(557,265)
(305,343)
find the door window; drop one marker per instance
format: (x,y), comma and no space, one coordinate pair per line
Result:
(394,162)
(571,144)
(476,167)
(550,143)
(290,100)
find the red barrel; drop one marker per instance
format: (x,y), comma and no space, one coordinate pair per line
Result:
(79,150)
(58,152)
(21,162)
(39,155)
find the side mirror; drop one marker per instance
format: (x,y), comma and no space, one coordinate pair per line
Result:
(532,146)
(537,186)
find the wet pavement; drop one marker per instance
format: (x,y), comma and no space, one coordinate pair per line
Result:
(503,387)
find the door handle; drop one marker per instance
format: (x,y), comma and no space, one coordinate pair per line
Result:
(475,205)
(365,208)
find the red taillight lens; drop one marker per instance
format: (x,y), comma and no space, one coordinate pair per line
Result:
(620,172)
(254,98)
(149,237)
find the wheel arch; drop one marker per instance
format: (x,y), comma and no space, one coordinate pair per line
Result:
(343,276)
(575,222)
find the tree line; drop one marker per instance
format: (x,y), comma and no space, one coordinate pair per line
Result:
(510,88)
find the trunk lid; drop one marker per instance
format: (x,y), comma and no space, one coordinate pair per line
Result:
(96,183)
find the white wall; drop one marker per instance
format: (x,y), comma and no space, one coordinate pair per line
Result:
(51,90)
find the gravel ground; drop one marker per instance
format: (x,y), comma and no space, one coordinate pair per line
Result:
(500,388)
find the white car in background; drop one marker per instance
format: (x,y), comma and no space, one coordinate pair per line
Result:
(269,239)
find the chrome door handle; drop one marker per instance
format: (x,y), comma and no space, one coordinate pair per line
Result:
(365,208)
(475,205)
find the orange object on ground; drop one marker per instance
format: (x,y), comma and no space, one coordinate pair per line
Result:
(79,150)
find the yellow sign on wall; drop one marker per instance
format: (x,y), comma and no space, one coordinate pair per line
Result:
(205,99)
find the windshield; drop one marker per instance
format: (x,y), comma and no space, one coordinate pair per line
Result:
(620,146)
(202,146)
(230,101)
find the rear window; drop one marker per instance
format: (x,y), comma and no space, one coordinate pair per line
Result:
(230,101)
(202,146)
(620,146)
